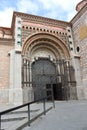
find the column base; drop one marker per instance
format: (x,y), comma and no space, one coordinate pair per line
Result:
(28,94)
(4,96)
(85,87)
(16,96)
(80,92)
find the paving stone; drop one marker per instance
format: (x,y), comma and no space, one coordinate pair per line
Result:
(68,115)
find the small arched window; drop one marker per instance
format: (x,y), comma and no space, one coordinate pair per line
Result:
(78,49)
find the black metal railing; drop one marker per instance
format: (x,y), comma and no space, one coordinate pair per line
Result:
(27,104)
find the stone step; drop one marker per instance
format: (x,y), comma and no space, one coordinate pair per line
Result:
(12,119)
(19,118)
(25,111)
(23,123)
(17,115)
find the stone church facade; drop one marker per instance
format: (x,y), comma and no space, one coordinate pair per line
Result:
(36,51)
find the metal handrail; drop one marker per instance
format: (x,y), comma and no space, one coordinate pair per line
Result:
(21,106)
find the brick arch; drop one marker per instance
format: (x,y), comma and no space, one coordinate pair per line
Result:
(54,40)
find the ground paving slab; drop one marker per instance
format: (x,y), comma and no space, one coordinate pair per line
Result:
(19,118)
(67,115)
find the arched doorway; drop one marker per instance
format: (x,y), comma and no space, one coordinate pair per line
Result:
(42,71)
(47,74)
(48,64)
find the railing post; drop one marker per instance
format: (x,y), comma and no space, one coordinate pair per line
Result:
(44,107)
(28,114)
(53,96)
(0,122)
(52,92)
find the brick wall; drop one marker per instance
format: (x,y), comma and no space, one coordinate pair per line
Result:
(80,39)
(4,71)
(4,65)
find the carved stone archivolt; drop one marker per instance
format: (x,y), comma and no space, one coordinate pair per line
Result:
(45,42)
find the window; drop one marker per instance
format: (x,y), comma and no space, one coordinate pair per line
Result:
(69,36)
(22,26)
(19,28)
(71,49)
(18,42)
(77,49)
(19,22)
(26,27)
(68,30)
(19,35)
(70,42)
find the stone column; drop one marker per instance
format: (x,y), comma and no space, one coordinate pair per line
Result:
(28,94)
(11,84)
(17,79)
(76,64)
(15,91)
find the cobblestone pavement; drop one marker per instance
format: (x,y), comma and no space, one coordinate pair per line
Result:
(68,115)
